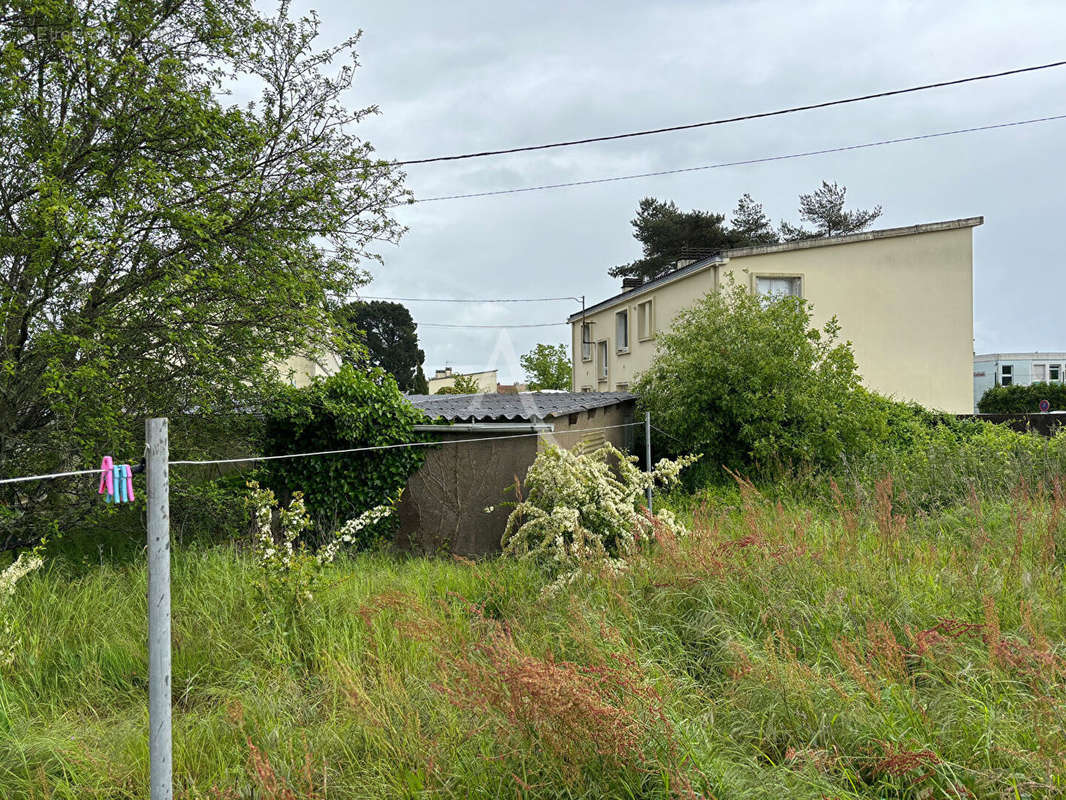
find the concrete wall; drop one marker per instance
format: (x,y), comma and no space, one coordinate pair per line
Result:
(443,506)
(904,301)
(486,381)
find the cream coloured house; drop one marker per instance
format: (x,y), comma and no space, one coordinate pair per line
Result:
(301,370)
(486,381)
(903,296)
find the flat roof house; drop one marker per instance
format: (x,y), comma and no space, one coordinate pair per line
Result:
(903,296)
(1020,369)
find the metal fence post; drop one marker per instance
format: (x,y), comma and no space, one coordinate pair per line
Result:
(159,726)
(647,452)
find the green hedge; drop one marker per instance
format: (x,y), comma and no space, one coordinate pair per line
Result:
(1022,399)
(353,408)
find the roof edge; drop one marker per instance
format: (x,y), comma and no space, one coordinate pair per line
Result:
(766,249)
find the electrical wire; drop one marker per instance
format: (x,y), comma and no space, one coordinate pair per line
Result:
(462,325)
(400,445)
(248,459)
(727,120)
(764,160)
(470,300)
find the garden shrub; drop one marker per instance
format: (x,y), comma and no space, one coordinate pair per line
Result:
(581,511)
(1022,399)
(350,409)
(746,381)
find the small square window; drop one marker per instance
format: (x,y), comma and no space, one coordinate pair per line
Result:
(621,331)
(777,287)
(586,341)
(621,387)
(1006,375)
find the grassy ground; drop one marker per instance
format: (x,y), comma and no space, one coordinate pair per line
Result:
(776,652)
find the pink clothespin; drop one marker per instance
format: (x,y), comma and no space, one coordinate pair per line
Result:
(129,483)
(107,482)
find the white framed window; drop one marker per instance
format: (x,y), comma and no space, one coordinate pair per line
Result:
(586,341)
(621,331)
(1006,374)
(586,388)
(1054,372)
(1039,373)
(601,359)
(645,321)
(778,285)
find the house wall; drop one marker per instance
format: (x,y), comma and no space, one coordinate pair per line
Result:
(486,381)
(443,507)
(300,370)
(905,302)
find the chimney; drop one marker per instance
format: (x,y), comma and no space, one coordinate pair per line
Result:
(443,373)
(631,283)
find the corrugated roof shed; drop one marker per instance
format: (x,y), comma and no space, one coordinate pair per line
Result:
(525,406)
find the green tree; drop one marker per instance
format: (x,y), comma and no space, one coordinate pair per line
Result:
(547,366)
(388,334)
(824,209)
(750,223)
(160,246)
(463,384)
(746,381)
(667,234)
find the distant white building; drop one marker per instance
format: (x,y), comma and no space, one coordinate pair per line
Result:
(1015,369)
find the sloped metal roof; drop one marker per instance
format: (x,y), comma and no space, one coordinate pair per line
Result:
(524,406)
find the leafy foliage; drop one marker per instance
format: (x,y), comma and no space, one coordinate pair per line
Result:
(463,384)
(1017,399)
(745,380)
(666,234)
(584,511)
(824,209)
(161,249)
(547,366)
(387,332)
(347,410)
(751,224)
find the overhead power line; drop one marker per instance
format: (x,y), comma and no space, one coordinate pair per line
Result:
(462,325)
(745,162)
(470,300)
(728,120)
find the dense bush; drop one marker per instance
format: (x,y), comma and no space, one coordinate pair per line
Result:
(584,511)
(1022,399)
(746,381)
(346,410)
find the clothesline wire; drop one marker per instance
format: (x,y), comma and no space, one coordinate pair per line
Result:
(373,448)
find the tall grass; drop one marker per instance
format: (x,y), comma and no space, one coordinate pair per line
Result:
(777,651)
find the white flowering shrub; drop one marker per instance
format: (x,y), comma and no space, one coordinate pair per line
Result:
(289,566)
(22,566)
(585,511)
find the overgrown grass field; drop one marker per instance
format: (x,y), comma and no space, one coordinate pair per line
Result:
(776,651)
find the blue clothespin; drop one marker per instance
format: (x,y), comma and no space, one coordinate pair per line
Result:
(120,484)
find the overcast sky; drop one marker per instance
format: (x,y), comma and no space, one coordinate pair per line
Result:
(461,76)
